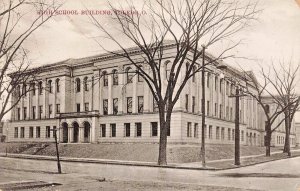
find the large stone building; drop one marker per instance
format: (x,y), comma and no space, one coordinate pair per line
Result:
(97,99)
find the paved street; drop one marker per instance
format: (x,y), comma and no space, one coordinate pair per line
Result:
(278,175)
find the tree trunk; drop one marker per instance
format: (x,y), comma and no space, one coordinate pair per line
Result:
(268,138)
(287,146)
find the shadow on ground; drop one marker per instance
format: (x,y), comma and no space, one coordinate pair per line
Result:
(259,175)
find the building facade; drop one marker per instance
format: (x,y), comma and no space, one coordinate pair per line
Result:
(98,100)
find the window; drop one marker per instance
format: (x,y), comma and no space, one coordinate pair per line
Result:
(57,85)
(40,88)
(218,133)
(50,86)
(105,78)
(54,131)
(115,106)
(33,112)
(127,129)
(205,131)
(208,109)
(18,91)
(229,132)
(77,81)
(129,104)
(210,133)
(113,130)
(86,106)
(231,113)
(187,102)
(105,106)
(196,130)
(227,112)
(30,132)
(50,110)
(24,90)
(221,82)
(78,107)
(138,130)
(242,135)
(57,108)
(154,129)
(85,84)
(140,77)
(193,104)
(22,134)
(155,106)
(16,134)
(168,69)
(233,134)
(140,104)
(103,130)
(189,129)
(47,131)
(227,88)
(33,88)
(24,112)
(222,133)
(40,111)
(115,77)
(216,109)
(18,113)
(38,132)
(216,83)
(208,79)
(221,111)
(129,75)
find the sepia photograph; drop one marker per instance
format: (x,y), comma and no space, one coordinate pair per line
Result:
(153,95)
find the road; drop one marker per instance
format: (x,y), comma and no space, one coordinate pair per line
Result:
(277,175)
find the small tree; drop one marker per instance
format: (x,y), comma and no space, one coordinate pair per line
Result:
(188,24)
(15,28)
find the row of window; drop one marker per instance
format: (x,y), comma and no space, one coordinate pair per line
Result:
(40,87)
(109,130)
(115,106)
(281,140)
(34,112)
(20,132)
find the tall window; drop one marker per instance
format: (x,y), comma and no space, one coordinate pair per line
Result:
(138,129)
(187,102)
(155,106)
(115,77)
(229,133)
(30,132)
(218,133)
(208,109)
(231,114)
(16,133)
(24,89)
(105,78)
(127,129)
(196,130)
(194,74)
(50,86)
(57,108)
(115,106)
(193,104)
(85,84)
(232,134)
(227,112)
(210,132)
(242,135)
(140,78)
(78,85)
(208,79)
(168,69)
(221,111)
(113,130)
(40,88)
(40,111)
(140,104)
(105,106)
(129,75)
(129,104)
(50,110)
(54,131)
(18,91)
(86,106)
(189,129)
(48,131)
(154,129)
(57,85)
(221,82)
(33,88)
(22,134)
(222,133)
(25,112)
(216,109)
(103,130)
(18,113)
(78,107)
(216,83)
(38,132)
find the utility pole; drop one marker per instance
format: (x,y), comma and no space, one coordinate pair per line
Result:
(57,153)
(237,128)
(203,109)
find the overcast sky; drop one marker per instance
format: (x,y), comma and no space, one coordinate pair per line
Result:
(275,36)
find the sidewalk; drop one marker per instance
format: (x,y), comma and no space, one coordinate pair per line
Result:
(211,165)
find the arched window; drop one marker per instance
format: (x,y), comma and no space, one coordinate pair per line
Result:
(18,91)
(57,85)
(129,75)
(77,85)
(32,87)
(194,74)
(115,77)
(267,108)
(50,86)
(24,90)
(140,78)
(167,68)
(221,82)
(40,87)
(85,84)
(105,78)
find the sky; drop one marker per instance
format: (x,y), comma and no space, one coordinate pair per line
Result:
(275,36)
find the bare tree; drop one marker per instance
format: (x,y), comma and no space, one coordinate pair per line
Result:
(184,25)
(284,83)
(18,20)
(266,97)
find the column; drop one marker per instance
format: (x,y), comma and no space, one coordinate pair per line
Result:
(70,132)
(54,101)
(100,95)
(93,127)
(121,94)
(29,104)
(45,100)
(109,88)
(81,133)
(91,94)
(82,95)
(95,93)
(37,108)
(134,95)
(21,104)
